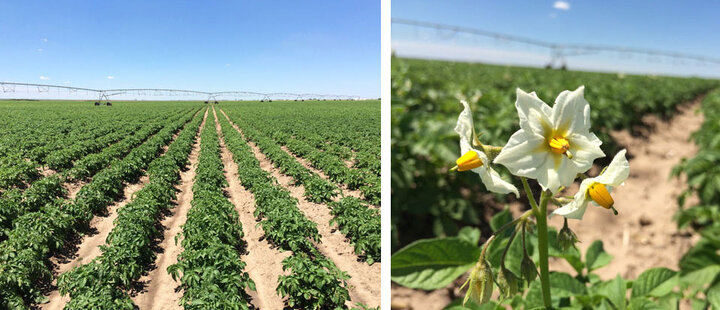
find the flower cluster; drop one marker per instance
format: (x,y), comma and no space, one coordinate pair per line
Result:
(553,146)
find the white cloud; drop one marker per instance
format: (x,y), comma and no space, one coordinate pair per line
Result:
(110,77)
(44,40)
(561,5)
(40,50)
(44,78)
(227,65)
(66,82)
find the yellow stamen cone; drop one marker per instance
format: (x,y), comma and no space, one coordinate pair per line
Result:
(468,161)
(559,145)
(600,195)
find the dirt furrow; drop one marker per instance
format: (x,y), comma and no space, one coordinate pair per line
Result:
(264,262)
(160,290)
(89,247)
(365,279)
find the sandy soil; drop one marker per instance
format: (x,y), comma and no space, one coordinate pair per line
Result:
(160,291)
(89,247)
(264,262)
(646,205)
(73,188)
(365,280)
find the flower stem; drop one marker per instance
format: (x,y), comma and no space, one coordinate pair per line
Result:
(501,229)
(530,196)
(541,217)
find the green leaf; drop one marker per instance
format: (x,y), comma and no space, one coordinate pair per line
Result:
(596,256)
(614,290)
(642,303)
(469,234)
(470,305)
(503,217)
(702,255)
(564,285)
(713,295)
(432,263)
(653,279)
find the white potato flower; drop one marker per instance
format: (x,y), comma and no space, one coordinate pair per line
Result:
(553,144)
(598,189)
(475,160)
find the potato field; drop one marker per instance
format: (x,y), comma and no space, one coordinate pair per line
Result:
(171,205)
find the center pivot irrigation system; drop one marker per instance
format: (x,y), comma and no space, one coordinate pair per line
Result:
(560,52)
(105,94)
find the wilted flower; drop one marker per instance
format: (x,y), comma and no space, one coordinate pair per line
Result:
(481,283)
(528,269)
(507,282)
(566,237)
(553,144)
(476,160)
(596,189)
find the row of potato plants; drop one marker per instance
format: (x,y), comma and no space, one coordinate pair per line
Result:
(700,266)
(337,171)
(89,165)
(333,166)
(209,268)
(311,280)
(36,235)
(51,135)
(128,251)
(14,202)
(347,130)
(360,223)
(317,189)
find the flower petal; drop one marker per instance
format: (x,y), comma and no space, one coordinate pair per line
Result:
(555,172)
(576,208)
(571,112)
(494,183)
(523,154)
(617,172)
(585,148)
(464,128)
(534,114)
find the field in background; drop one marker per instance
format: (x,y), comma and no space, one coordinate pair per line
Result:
(425,106)
(239,204)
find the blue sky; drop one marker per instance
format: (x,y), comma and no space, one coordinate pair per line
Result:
(681,26)
(327,47)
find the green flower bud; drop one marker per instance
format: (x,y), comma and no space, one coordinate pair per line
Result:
(566,237)
(507,283)
(528,270)
(481,283)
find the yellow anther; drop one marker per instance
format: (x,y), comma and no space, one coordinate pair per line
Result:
(559,145)
(600,195)
(468,161)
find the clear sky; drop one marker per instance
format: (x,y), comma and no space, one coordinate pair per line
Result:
(682,26)
(326,47)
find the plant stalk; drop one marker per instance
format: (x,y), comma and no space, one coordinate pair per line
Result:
(541,218)
(529,194)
